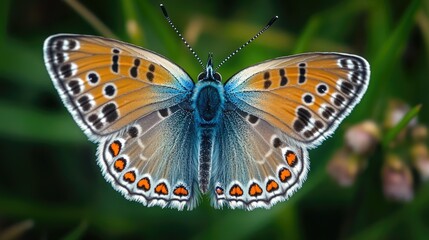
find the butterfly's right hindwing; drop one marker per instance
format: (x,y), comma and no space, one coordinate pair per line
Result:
(254,164)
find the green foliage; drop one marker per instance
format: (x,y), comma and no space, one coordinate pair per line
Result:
(48,171)
(401,125)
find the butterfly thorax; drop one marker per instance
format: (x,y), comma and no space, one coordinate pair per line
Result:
(208,97)
(208,101)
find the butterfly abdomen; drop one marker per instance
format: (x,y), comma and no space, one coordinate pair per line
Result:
(206,138)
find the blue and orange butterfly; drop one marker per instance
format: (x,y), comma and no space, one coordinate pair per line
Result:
(164,140)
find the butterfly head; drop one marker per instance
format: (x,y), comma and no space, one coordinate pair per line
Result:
(209,74)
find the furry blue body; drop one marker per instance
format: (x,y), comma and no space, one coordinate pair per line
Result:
(208,102)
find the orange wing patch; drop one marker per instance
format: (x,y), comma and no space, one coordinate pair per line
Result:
(291,158)
(161,189)
(144,184)
(144,70)
(236,191)
(272,186)
(115,148)
(181,191)
(120,164)
(105,70)
(124,63)
(284,174)
(318,74)
(255,190)
(219,191)
(130,176)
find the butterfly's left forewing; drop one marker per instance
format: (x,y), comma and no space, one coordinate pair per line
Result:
(107,84)
(132,102)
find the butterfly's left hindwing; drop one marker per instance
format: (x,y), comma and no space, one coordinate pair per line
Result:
(154,160)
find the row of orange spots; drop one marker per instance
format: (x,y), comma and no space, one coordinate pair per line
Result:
(115,148)
(120,164)
(255,190)
(130,177)
(291,158)
(161,189)
(219,190)
(181,191)
(236,191)
(144,184)
(284,174)
(272,185)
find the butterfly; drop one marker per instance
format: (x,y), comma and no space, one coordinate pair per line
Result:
(163,139)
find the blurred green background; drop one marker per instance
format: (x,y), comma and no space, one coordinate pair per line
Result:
(51,186)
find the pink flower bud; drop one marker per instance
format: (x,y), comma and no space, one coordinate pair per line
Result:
(397,180)
(419,132)
(420,156)
(363,137)
(343,167)
(396,110)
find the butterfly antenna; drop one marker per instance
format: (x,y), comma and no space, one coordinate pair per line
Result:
(269,24)
(164,11)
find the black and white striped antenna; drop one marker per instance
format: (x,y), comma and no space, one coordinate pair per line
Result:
(164,11)
(269,24)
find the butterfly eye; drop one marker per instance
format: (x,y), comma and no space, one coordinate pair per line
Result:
(201,76)
(218,77)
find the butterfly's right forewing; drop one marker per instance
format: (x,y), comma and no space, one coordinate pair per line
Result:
(306,96)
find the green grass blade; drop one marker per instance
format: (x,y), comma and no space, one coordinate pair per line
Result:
(134,29)
(93,20)
(309,33)
(392,133)
(389,53)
